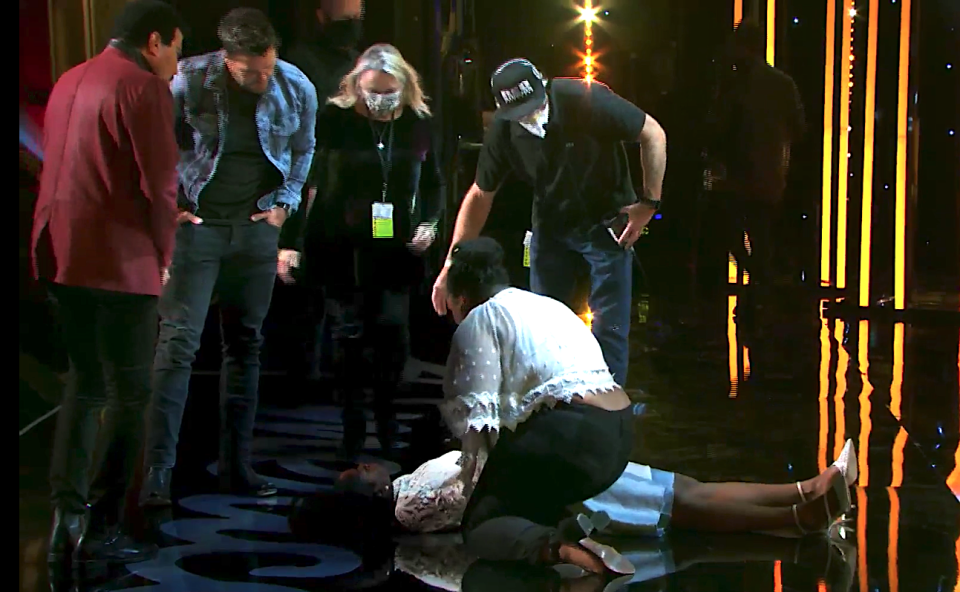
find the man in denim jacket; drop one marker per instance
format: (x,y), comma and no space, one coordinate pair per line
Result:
(245,126)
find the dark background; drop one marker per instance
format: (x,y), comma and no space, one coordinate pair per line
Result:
(661,55)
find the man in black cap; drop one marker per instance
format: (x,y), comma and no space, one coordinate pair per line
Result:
(565,137)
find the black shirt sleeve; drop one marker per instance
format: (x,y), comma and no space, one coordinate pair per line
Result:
(611,116)
(492,167)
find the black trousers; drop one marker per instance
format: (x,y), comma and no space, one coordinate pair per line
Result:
(759,219)
(238,262)
(110,338)
(557,458)
(370,331)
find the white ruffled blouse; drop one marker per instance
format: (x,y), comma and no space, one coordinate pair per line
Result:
(510,356)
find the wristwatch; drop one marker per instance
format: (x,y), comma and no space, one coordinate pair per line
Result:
(650,203)
(283,206)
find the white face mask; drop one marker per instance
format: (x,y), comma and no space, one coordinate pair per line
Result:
(536,122)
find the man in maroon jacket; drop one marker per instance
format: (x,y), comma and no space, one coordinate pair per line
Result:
(103,234)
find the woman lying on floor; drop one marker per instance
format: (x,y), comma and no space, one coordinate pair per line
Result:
(546,436)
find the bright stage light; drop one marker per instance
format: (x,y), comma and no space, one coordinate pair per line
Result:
(588,13)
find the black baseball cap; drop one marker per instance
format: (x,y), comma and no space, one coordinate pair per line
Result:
(519,89)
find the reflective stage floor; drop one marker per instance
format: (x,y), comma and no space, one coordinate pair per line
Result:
(771,404)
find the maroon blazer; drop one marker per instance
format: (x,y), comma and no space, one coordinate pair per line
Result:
(106,212)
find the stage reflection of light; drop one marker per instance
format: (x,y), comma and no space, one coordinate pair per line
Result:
(737,12)
(827,174)
(863,448)
(893,540)
(824,390)
(777,577)
(863,573)
(896,396)
(843,363)
(869,120)
(953,480)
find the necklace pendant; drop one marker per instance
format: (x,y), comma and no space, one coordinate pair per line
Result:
(380,146)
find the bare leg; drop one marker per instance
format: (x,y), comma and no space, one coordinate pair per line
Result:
(762,494)
(697,506)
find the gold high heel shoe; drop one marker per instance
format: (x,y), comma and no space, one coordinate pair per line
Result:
(846,463)
(839,487)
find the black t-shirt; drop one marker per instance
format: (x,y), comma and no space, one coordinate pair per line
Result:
(339,242)
(579,170)
(244,174)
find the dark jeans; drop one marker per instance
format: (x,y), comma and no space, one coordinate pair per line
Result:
(109,337)
(559,261)
(557,458)
(370,333)
(238,262)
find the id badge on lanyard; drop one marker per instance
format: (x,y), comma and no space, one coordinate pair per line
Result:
(383,210)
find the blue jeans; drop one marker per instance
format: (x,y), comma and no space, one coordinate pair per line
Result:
(238,262)
(559,260)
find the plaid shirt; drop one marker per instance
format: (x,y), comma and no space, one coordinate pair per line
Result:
(286,118)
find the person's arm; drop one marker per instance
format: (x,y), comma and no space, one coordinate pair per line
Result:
(147,113)
(471,387)
(615,118)
(302,145)
(492,169)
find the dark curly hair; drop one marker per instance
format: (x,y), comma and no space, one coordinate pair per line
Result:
(247,31)
(477,269)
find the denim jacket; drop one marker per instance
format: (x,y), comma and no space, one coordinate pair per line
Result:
(286,118)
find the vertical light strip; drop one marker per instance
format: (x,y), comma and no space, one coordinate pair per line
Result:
(771,30)
(737,13)
(588,14)
(843,363)
(731,268)
(863,573)
(866,424)
(893,541)
(824,411)
(900,207)
(866,211)
(843,150)
(827,197)
(732,347)
(777,577)
(896,397)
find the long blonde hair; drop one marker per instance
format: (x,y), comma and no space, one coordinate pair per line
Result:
(385,58)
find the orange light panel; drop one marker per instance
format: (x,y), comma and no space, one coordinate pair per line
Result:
(893,540)
(737,12)
(771,30)
(732,347)
(866,212)
(900,206)
(826,203)
(896,397)
(843,150)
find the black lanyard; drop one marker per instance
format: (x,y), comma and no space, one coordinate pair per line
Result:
(386,160)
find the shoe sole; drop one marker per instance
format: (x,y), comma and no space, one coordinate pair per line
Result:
(611,558)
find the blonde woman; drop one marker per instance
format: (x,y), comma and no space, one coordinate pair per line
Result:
(378,200)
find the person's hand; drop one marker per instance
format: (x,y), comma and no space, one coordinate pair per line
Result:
(164,276)
(639,215)
(440,294)
(287,261)
(184,216)
(422,238)
(274,217)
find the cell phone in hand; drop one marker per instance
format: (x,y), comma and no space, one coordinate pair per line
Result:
(617,225)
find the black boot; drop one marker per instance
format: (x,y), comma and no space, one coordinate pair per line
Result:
(65,535)
(112,545)
(155,491)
